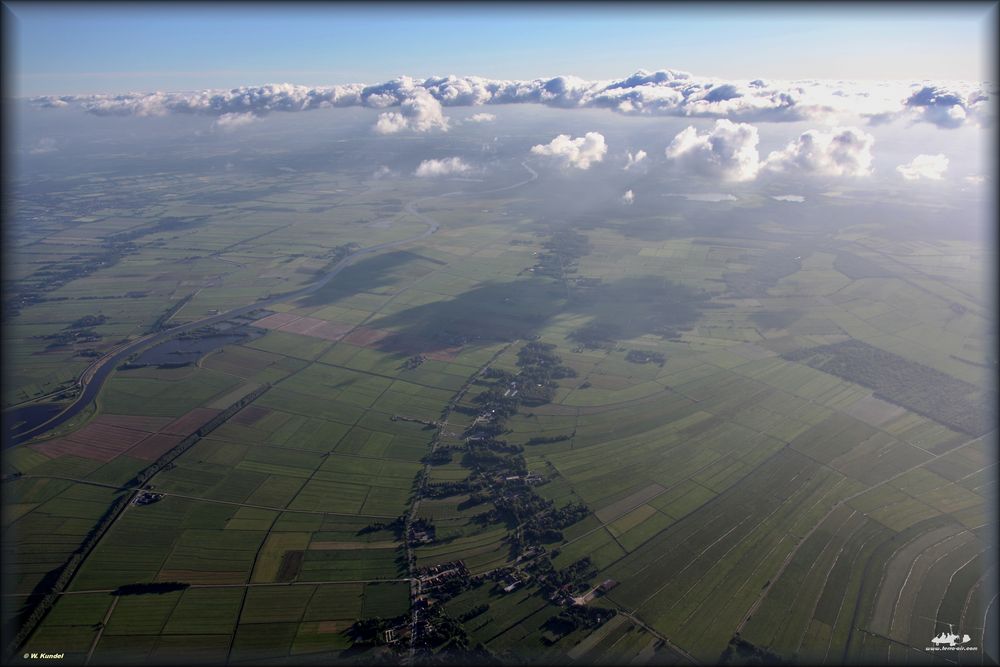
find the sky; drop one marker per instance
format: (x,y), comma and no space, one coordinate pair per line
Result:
(79,48)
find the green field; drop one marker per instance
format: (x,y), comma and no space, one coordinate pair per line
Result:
(738,467)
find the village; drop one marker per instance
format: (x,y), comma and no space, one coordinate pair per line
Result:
(499,477)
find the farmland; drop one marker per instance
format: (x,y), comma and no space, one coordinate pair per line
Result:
(490,423)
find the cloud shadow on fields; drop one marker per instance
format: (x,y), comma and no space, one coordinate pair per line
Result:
(503,311)
(368,276)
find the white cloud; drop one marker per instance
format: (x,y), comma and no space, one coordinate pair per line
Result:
(839,152)
(924,166)
(382,172)
(975,179)
(420,112)
(660,93)
(44,145)
(634,159)
(628,197)
(727,151)
(231,121)
(947,108)
(481,118)
(443,167)
(580,152)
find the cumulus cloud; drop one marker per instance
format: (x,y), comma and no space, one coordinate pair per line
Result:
(839,152)
(727,151)
(444,167)
(924,166)
(634,159)
(975,179)
(420,113)
(660,93)
(580,152)
(947,108)
(481,118)
(382,172)
(231,121)
(628,197)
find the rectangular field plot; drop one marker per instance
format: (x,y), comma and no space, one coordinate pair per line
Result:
(352,564)
(205,611)
(72,625)
(158,398)
(481,552)
(212,556)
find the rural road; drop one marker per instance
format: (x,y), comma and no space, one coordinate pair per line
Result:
(92,379)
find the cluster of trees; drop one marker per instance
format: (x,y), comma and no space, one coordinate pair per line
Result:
(482,457)
(596,335)
(499,400)
(157,588)
(396,526)
(372,630)
(548,439)
(645,357)
(30,290)
(478,610)
(61,338)
(576,617)
(769,268)
(414,362)
(445,489)
(540,368)
(160,323)
(924,390)
(453,586)
(88,321)
(741,652)
(576,576)
(563,250)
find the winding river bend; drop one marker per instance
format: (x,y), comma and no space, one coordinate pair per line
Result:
(92,379)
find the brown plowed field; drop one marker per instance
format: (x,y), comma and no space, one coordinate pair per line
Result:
(155,446)
(364,336)
(330,331)
(190,422)
(94,441)
(276,321)
(302,325)
(250,415)
(134,422)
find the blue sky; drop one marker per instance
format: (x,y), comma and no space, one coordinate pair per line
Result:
(84,47)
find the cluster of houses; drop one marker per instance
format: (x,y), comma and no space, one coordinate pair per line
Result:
(146,498)
(435,575)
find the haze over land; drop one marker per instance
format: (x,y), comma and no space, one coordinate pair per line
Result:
(661,367)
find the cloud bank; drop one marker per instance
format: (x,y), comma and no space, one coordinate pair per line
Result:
(924,166)
(444,167)
(661,93)
(579,153)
